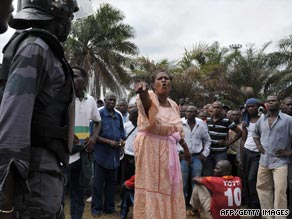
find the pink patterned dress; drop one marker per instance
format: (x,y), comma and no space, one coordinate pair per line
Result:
(158,186)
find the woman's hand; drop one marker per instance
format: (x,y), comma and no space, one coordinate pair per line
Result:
(141,87)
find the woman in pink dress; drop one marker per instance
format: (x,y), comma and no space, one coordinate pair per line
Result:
(158,189)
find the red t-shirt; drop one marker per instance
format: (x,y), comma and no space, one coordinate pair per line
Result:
(226,194)
(130,183)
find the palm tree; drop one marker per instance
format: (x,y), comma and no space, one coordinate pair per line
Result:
(100,44)
(283,57)
(142,68)
(281,83)
(251,71)
(185,83)
(201,72)
(187,74)
(231,76)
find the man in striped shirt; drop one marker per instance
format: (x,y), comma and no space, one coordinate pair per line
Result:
(218,127)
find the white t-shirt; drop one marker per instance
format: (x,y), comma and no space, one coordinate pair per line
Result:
(250,144)
(130,140)
(85,111)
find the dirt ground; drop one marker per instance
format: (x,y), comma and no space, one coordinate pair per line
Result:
(87,212)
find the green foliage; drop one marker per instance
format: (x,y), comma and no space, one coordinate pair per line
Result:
(100,44)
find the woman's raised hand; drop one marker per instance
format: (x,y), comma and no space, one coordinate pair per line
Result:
(141,87)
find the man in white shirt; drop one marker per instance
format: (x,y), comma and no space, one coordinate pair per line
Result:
(85,111)
(122,107)
(198,141)
(128,162)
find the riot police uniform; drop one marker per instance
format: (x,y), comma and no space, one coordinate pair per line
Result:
(36,112)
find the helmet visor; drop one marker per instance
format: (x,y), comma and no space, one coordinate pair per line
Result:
(28,14)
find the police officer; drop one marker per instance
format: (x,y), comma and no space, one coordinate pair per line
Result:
(5,12)
(35,112)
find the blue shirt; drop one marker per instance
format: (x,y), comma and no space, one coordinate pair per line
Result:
(274,138)
(111,128)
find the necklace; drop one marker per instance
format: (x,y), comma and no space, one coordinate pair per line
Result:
(166,104)
(163,101)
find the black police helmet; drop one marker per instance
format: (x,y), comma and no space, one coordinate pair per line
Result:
(42,10)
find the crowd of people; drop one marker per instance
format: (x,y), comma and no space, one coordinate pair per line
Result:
(174,160)
(171,159)
(256,140)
